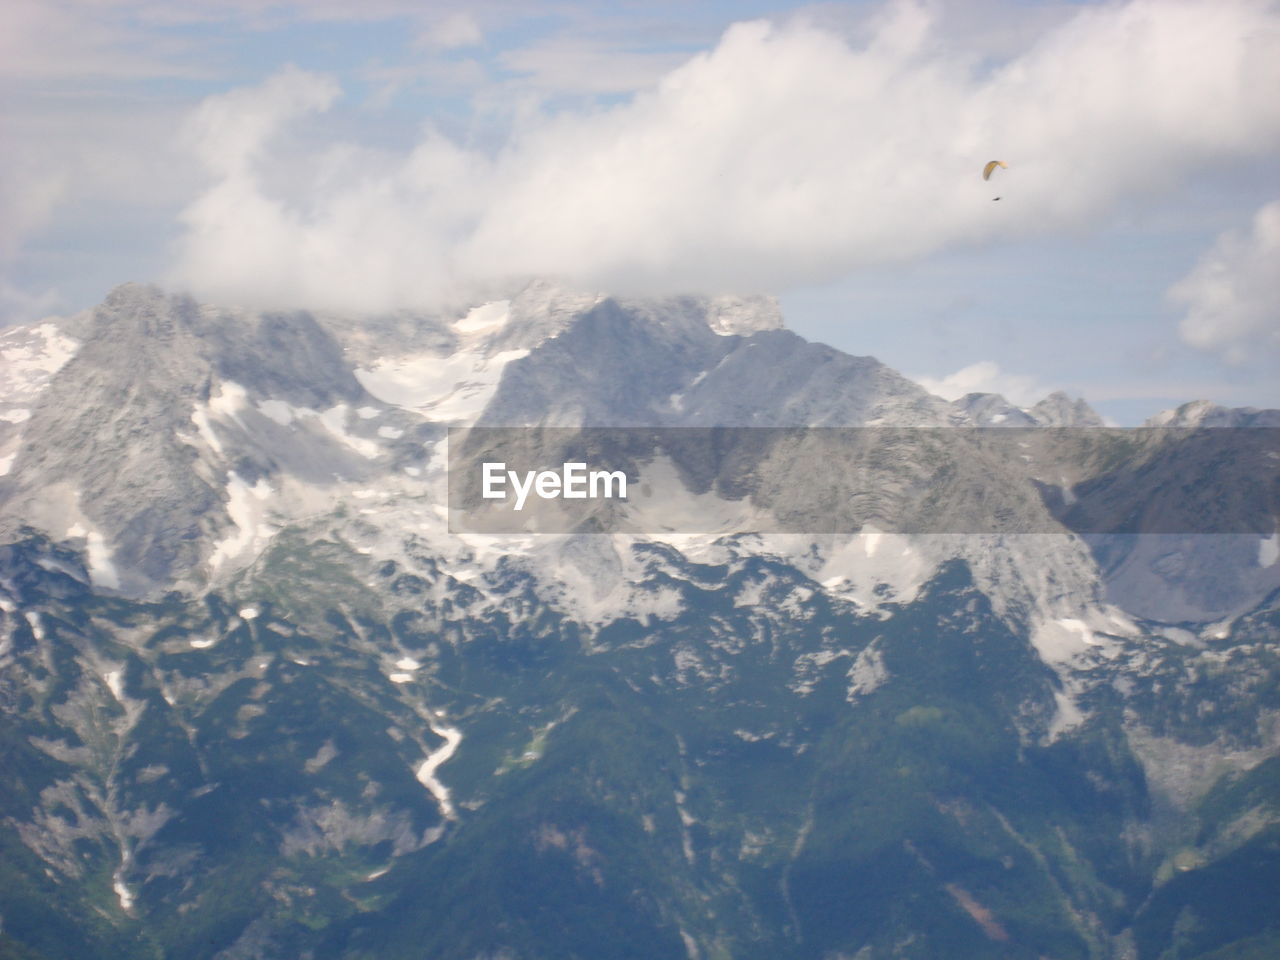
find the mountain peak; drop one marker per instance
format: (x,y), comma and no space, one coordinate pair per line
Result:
(993,410)
(1059,410)
(729,314)
(1205,413)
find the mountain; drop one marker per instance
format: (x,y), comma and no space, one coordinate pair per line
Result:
(1055,410)
(259,701)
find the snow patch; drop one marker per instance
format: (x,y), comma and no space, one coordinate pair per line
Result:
(454,387)
(249,613)
(102,572)
(871,568)
(32,355)
(115,684)
(868,672)
(326,753)
(1080,627)
(201,419)
(123,893)
(1184,638)
(15,416)
(751,594)
(1268,550)
(1058,641)
(226,404)
(1067,717)
(871,541)
(335,421)
(277,410)
(487,318)
(230,399)
(677,513)
(1218,631)
(246,505)
(1121,623)
(426,772)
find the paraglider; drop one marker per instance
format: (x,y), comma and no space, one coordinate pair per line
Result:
(990,169)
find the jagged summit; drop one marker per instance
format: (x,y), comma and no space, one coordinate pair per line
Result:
(993,410)
(1059,410)
(1203,413)
(1055,410)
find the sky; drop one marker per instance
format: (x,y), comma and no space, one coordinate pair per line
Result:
(422,155)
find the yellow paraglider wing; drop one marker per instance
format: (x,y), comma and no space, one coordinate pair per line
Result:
(991,165)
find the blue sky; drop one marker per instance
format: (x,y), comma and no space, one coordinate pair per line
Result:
(414,154)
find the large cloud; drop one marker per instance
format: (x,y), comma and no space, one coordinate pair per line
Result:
(782,156)
(1232,296)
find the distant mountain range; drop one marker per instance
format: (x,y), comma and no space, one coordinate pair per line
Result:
(260,702)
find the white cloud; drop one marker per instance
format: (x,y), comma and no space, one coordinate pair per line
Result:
(50,40)
(986,377)
(455,31)
(89,189)
(28,196)
(1232,296)
(229,131)
(379,240)
(573,64)
(782,156)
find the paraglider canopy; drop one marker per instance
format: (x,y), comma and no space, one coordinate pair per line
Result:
(990,167)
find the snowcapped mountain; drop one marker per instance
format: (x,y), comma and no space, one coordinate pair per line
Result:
(175,439)
(262,702)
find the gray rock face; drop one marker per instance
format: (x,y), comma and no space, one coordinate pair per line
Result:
(669,363)
(542,310)
(1055,410)
(1059,410)
(290,357)
(102,436)
(1185,579)
(797,383)
(112,438)
(1202,413)
(616,365)
(993,410)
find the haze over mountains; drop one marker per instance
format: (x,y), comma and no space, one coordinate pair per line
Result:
(260,702)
